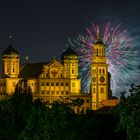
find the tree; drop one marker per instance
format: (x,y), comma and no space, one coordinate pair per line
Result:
(129,112)
(14,112)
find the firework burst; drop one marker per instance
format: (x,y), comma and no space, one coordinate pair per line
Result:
(122,57)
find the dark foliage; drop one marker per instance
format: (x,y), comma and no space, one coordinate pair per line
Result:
(23,119)
(129,113)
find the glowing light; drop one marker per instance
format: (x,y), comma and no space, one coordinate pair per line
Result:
(122,56)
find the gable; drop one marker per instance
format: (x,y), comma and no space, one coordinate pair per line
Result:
(54,63)
(53,69)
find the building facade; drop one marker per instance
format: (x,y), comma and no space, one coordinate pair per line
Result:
(99,75)
(54,80)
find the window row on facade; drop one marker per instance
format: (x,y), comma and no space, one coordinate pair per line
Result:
(102,90)
(49,84)
(98,51)
(2,84)
(54,84)
(2,93)
(100,71)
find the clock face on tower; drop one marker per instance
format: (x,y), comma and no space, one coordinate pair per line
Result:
(94,79)
(102,79)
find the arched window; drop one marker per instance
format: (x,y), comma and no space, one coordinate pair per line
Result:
(103,71)
(93,90)
(72,71)
(102,90)
(99,70)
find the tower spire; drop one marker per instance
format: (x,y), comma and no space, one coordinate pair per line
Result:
(98,36)
(10,39)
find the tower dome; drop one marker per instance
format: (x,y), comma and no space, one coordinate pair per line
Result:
(69,53)
(10,61)
(99,47)
(10,51)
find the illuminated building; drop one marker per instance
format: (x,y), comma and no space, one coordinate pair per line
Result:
(54,80)
(99,74)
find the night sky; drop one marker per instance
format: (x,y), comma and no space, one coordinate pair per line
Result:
(41,28)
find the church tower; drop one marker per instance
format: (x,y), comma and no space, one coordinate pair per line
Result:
(10,61)
(99,75)
(70,61)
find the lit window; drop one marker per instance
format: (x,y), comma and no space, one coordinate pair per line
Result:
(57,84)
(72,71)
(47,84)
(93,90)
(42,84)
(102,90)
(67,84)
(52,84)
(103,71)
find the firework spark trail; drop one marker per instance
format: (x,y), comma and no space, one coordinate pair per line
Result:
(122,58)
